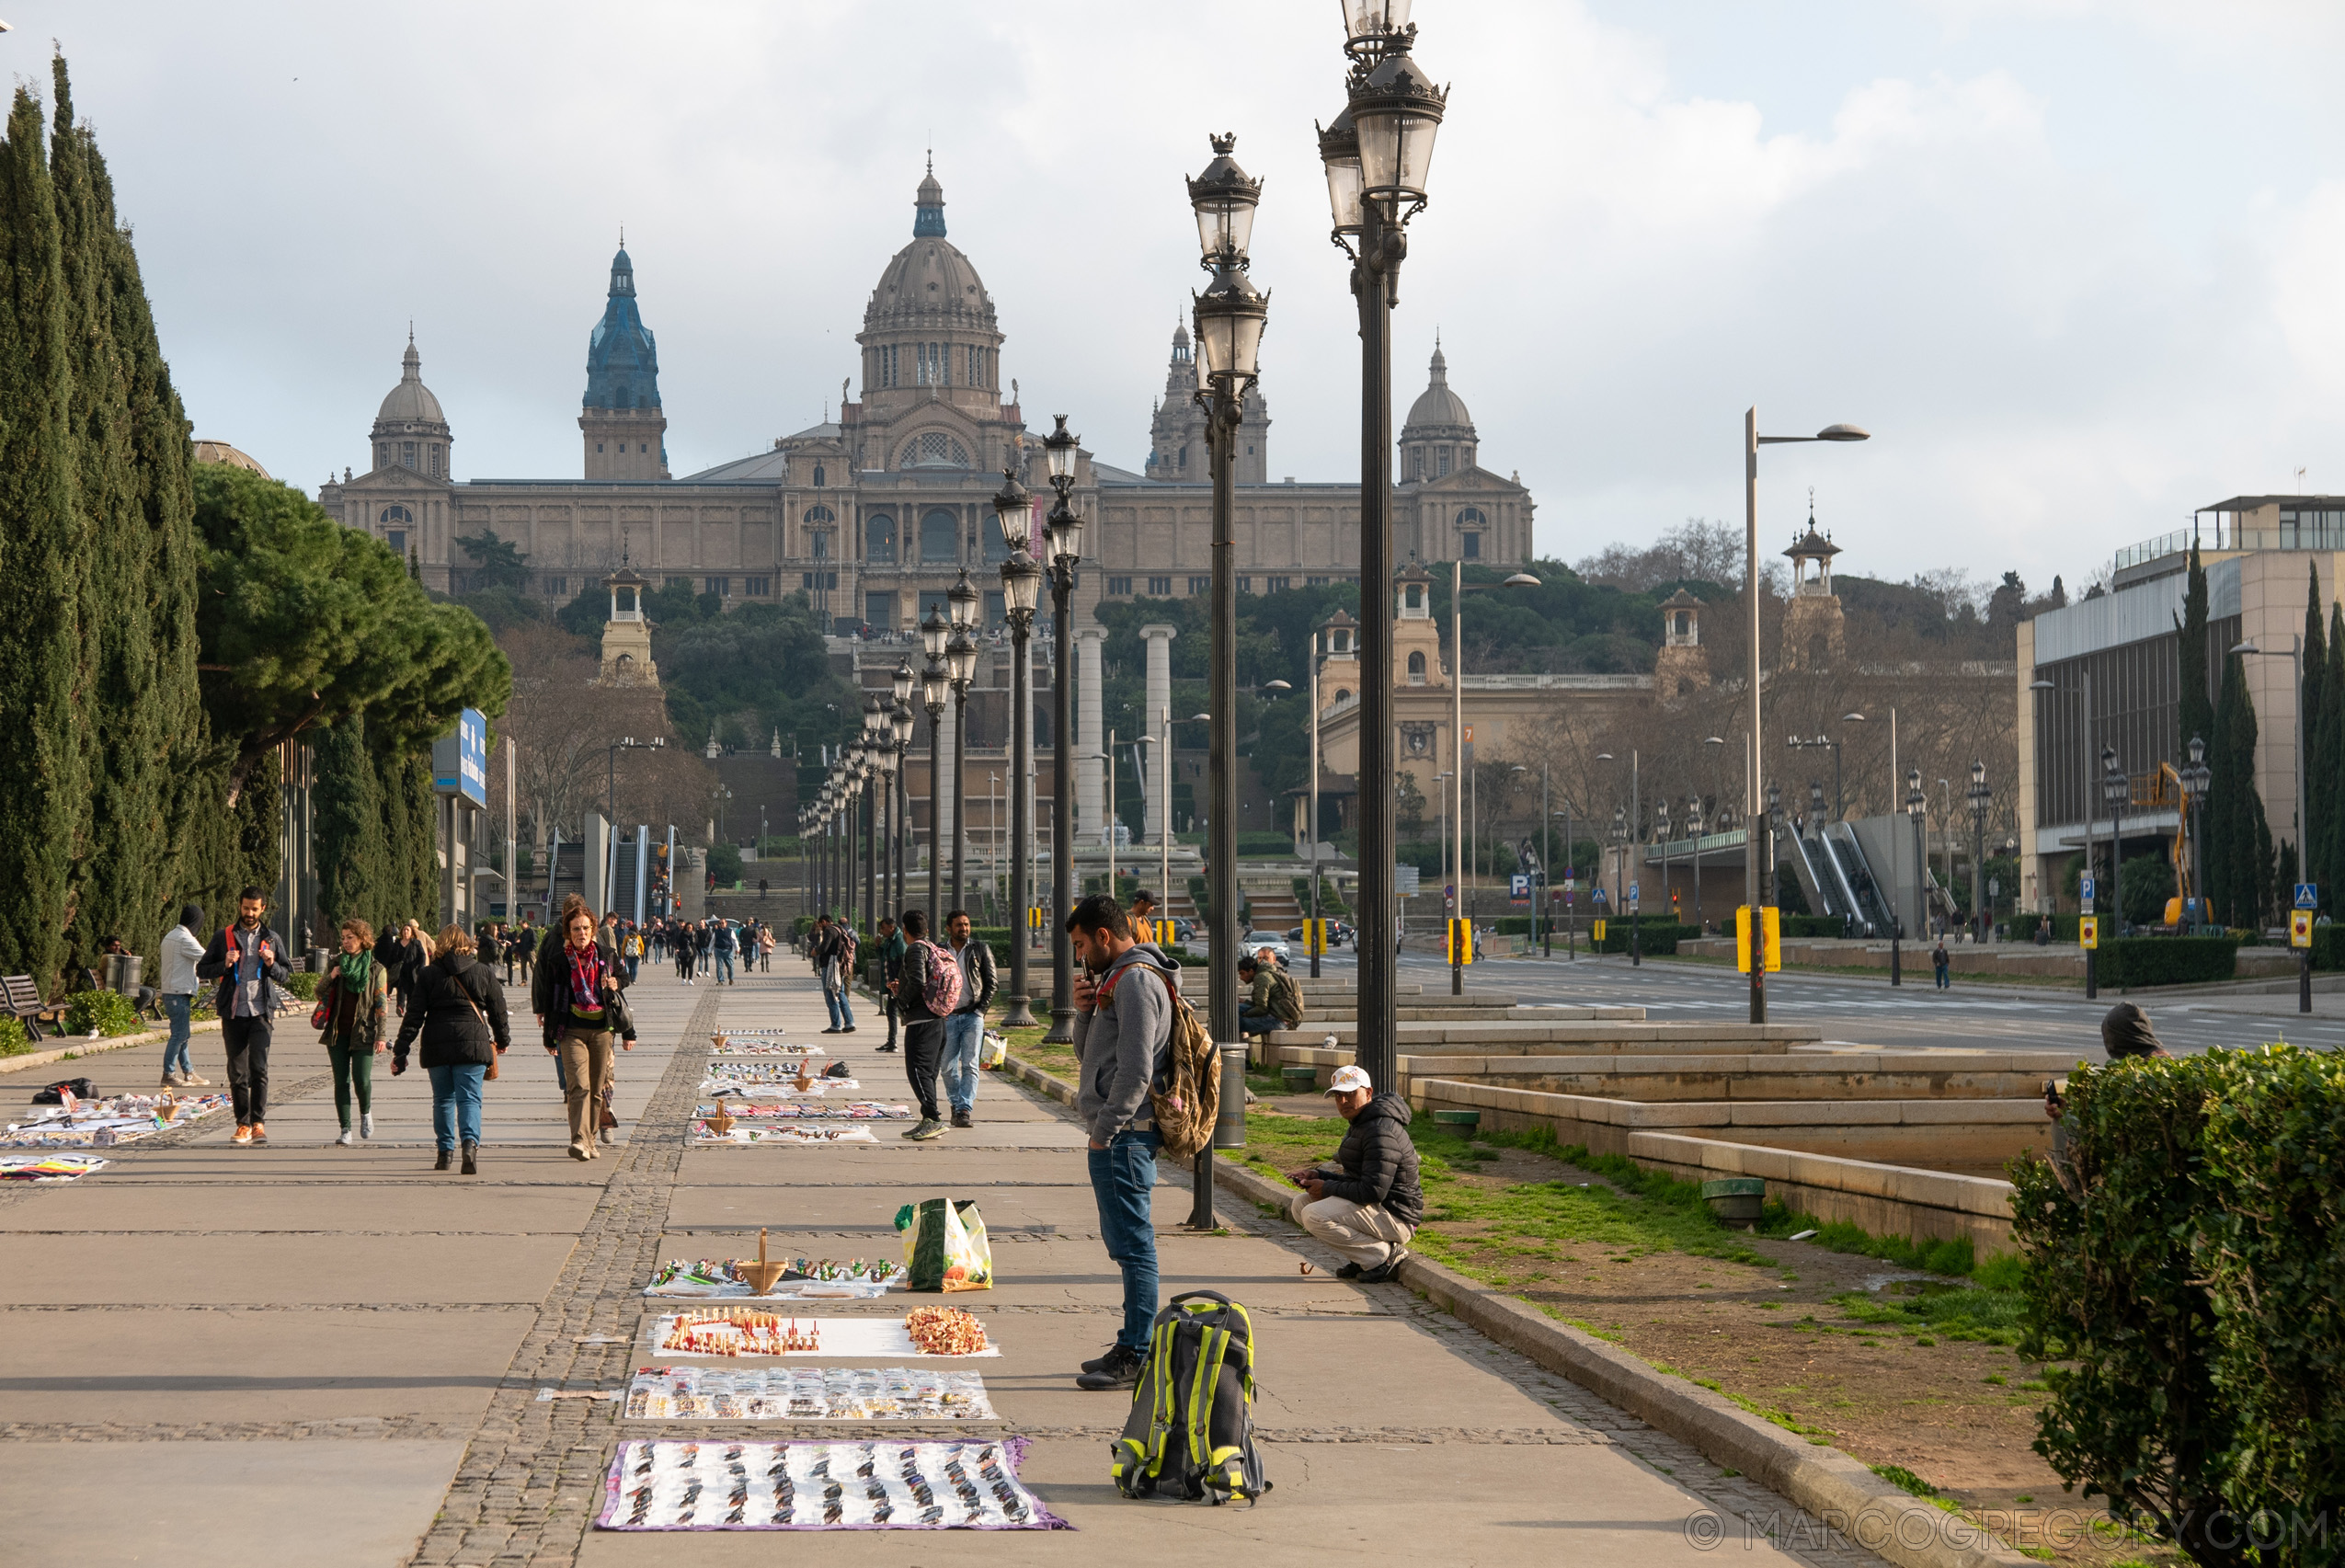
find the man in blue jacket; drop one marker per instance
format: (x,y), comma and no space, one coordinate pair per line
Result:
(248,960)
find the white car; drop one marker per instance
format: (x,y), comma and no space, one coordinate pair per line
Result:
(1255,941)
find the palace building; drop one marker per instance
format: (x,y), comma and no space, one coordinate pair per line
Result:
(876,512)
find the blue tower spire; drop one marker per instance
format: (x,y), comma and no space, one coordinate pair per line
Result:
(928,206)
(623,358)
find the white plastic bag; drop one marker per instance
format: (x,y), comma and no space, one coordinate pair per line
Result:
(993,1050)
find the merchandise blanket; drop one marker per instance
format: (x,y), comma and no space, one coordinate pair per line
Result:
(806,1280)
(102,1123)
(772,1110)
(710,1334)
(53,1167)
(669,1485)
(806,1393)
(784,1132)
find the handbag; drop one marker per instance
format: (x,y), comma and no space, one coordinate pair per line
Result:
(490,1076)
(323,1013)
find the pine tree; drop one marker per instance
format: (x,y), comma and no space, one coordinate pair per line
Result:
(2317,810)
(40,562)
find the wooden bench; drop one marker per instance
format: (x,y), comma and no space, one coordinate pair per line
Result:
(24,1004)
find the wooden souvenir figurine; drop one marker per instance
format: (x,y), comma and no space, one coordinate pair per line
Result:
(761,1275)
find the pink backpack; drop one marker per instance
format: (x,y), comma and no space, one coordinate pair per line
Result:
(943,992)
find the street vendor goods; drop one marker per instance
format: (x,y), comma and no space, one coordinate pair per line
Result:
(784,1132)
(103,1123)
(806,1393)
(711,1277)
(50,1168)
(721,1331)
(728,1332)
(780,1110)
(671,1485)
(945,1246)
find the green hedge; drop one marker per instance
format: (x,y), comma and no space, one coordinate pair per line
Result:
(2185,1271)
(109,1013)
(1662,934)
(303,984)
(1812,925)
(2130,961)
(2328,948)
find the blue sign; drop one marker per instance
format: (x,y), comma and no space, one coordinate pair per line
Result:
(2085,888)
(1632,895)
(2307,895)
(1520,884)
(460,761)
(1598,897)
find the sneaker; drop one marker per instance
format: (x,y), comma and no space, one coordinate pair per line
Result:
(346,1139)
(1387,1269)
(963,1118)
(366,1124)
(918,1127)
(1349,1270)
(579,1151)
(259,1135)
(834,1029)
(242,1137)
(929,1127)
(1120,1368)
(886,1050)
(170,1080)
(609,1136)
(188,1079)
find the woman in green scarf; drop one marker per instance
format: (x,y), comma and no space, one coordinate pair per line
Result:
(355,1000)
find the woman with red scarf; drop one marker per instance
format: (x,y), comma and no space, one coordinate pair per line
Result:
(576,996)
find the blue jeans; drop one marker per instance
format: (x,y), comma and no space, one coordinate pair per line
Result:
(174,1049)
(842,1008)
(962,1033)
(455,1102)
(1122,1175)
(723,965)
(1258,1023)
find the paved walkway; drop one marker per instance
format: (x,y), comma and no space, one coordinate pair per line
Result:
(312,1355)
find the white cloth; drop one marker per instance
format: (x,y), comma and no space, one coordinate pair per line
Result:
(181,948)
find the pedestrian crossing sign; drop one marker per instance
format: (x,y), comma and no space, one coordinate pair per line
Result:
(1771,932)
(1461,942)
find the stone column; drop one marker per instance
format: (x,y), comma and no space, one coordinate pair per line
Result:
(1090,728)
(1160,696)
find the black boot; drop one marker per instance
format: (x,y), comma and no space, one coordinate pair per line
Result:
(472,1158)
(441,1163)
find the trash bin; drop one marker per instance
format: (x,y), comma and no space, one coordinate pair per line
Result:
(1229,1124)
(122,971)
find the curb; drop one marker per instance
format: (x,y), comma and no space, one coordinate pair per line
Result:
(1837,1488)
(80,1049)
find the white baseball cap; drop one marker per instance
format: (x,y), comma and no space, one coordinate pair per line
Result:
(1347,1078)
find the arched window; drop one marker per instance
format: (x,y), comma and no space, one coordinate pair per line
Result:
(1472,517)
(399,516)
(1343,695)
(940,535)
(818,476)
(932,449)
(879,538)
(1416,670)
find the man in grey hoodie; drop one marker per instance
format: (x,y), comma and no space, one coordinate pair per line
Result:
(1123,1038)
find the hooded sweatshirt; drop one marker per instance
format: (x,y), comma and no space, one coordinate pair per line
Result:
(1123,1042)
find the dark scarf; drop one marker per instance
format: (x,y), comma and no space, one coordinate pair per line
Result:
(585,981)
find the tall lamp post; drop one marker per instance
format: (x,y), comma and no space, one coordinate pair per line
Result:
(2195,779)
(2115,788)
(1376,155)
(1063,534)
(1694,830)
(961,655)
(1021,589)
(1752,893)
(1982,800)
(934,684)
(1459,589)
(1229,316)
(879,757)
(900,721)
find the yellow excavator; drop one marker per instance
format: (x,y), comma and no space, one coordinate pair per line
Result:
(2165,790)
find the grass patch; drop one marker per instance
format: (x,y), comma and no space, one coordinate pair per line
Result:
(1983,1313)
(1907,1480)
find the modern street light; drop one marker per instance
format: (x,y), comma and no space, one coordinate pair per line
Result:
(1982,800)
(1229,316)
(1752,441)
(1467,867)
(1063,536)
(1840,795)
(935,682)
(1376,155)
(1021,589)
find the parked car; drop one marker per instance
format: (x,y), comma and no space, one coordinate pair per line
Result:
(1255,941)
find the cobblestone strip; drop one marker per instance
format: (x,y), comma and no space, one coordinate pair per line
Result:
(532,1478)
(370,1428)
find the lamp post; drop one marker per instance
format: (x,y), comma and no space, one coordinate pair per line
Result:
(1376,155)
(1660,828)
(1021,588)
(1229,316)
(960,655)
(1916,803)
(1694,830)
(1982,800)
(2195,779)
(1619,859)
(934,683)
(1063,530)
(2115,788)
(879,736)
(1752,892)
(900,722)
(1312,836)
(1459,589)
(1840,795)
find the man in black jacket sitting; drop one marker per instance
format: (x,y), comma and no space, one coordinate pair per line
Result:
(1371,1203)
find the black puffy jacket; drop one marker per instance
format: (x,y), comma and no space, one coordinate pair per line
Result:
(447,993)
(1379,1162)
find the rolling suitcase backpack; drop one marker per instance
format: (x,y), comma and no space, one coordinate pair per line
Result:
(1191,1432)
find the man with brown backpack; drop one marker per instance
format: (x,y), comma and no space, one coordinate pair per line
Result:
(1125,1013)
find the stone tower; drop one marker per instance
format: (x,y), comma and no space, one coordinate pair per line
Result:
(626,637)
(1681,667)
(622,426)
(1438,437)
(1416,635)
(1176,448)
(1815,630)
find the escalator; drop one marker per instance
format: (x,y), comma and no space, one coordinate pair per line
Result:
(1859,892)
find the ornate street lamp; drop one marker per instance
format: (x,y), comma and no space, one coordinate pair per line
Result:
(879,738)
(1020,589)
(933,686)
(1916,803)
(1981,799)
(1377,153)
(1063,540)
(1229,316)
(2195,779)
(1694,830)
(960,656)
(899,720)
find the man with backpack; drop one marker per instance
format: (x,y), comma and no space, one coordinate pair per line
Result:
(834,956)
(891,963)
(1273,1000)
(1372,1202)
(248,959)
(964,1030)
(1123,1038)
(928,989)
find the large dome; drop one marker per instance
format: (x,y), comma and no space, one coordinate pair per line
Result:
(410,402)
(929,284)
(221,451)
(1437,409)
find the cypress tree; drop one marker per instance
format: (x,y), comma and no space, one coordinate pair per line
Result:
(2196,712)
(2327,763)
(348,826)
(2239,850)
(2314,810)
(41,600)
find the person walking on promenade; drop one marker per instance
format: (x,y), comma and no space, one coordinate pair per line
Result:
(577,1004)
(964,1030)
(891,964)
(459,1009)
(524,946)
(725,946)
(834,960)
(923,1030)
(357,999)
(486,946)
(765,948)
(248,960)
(1124,1038)
(182,950)
(680,944)
(1943,966)
(403,956)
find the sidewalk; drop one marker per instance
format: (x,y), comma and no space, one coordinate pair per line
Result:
(312,1355)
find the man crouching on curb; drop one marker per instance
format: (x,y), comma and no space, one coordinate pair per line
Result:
(1370,1204)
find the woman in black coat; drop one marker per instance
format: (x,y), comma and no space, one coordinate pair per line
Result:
(458,1008)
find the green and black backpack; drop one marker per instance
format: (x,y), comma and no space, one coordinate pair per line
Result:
(1191,1432)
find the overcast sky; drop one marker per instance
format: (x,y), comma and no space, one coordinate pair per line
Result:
(2079,267)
